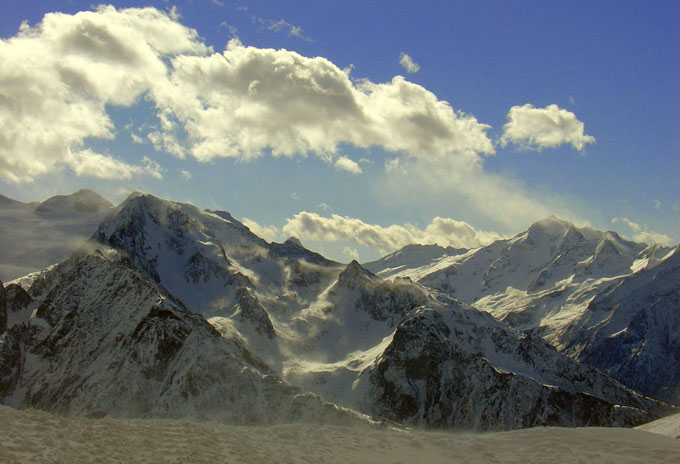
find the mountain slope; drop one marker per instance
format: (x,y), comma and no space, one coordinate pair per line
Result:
(601,299)
(100,339)
(109,328)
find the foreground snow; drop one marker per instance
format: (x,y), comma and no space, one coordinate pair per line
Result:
(669,425)
(36,436)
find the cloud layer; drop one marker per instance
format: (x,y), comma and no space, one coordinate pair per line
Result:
(58,78)
(538,128)
(442,231)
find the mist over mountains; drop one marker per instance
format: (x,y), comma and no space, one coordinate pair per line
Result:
(168,310)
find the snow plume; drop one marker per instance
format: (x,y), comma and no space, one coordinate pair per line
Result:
(60,78)
(408,64)
(538,128)
(642,234)
(442,231)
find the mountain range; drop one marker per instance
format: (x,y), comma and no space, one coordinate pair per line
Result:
(600,299)
(168,310)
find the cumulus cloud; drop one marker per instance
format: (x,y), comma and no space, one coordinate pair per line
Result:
(269,233)
(306,106)
(59,78)
(642,234)
(538,128)
(345,164)
(185,174)
(443,231)
(408,64)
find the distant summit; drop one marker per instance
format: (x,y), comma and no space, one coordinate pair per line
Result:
(84,201)
(36,235)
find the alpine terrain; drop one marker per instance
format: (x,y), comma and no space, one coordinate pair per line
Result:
(608,302)
(173,311)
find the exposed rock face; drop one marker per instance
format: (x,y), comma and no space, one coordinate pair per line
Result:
(442,369)
(3,309)
(17,298)
(106,340)
(249,309)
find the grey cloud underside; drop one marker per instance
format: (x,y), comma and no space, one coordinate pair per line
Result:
(121,326)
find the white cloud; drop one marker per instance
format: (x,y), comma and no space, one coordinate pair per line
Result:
(294,196)
(89,163)
(352,253)
(443,231)
(324,206)
(345,164)
(306,106)
(408,64)
(393,166)
(269,233)
(57,79)
(642,234)
(136,138)
(538,128)
(185,174)
(283,26)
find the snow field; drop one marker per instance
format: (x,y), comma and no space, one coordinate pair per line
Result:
(40,437)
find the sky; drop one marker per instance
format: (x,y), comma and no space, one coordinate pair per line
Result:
(358,127)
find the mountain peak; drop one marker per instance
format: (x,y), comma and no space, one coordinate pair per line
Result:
(293,241)
(83,201)
(551,223)
(552,227)
(354,275)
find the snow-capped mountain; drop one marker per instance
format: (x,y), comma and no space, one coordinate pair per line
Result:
(98,338)
(121,323)
(36,235)
(601,299)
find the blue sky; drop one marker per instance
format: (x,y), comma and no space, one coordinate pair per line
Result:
(509,111)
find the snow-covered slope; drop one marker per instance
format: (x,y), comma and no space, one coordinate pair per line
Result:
(411,257)
(39,437)
(599,298)
(36,235)
(669,426)
(110,327)
(98,338)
